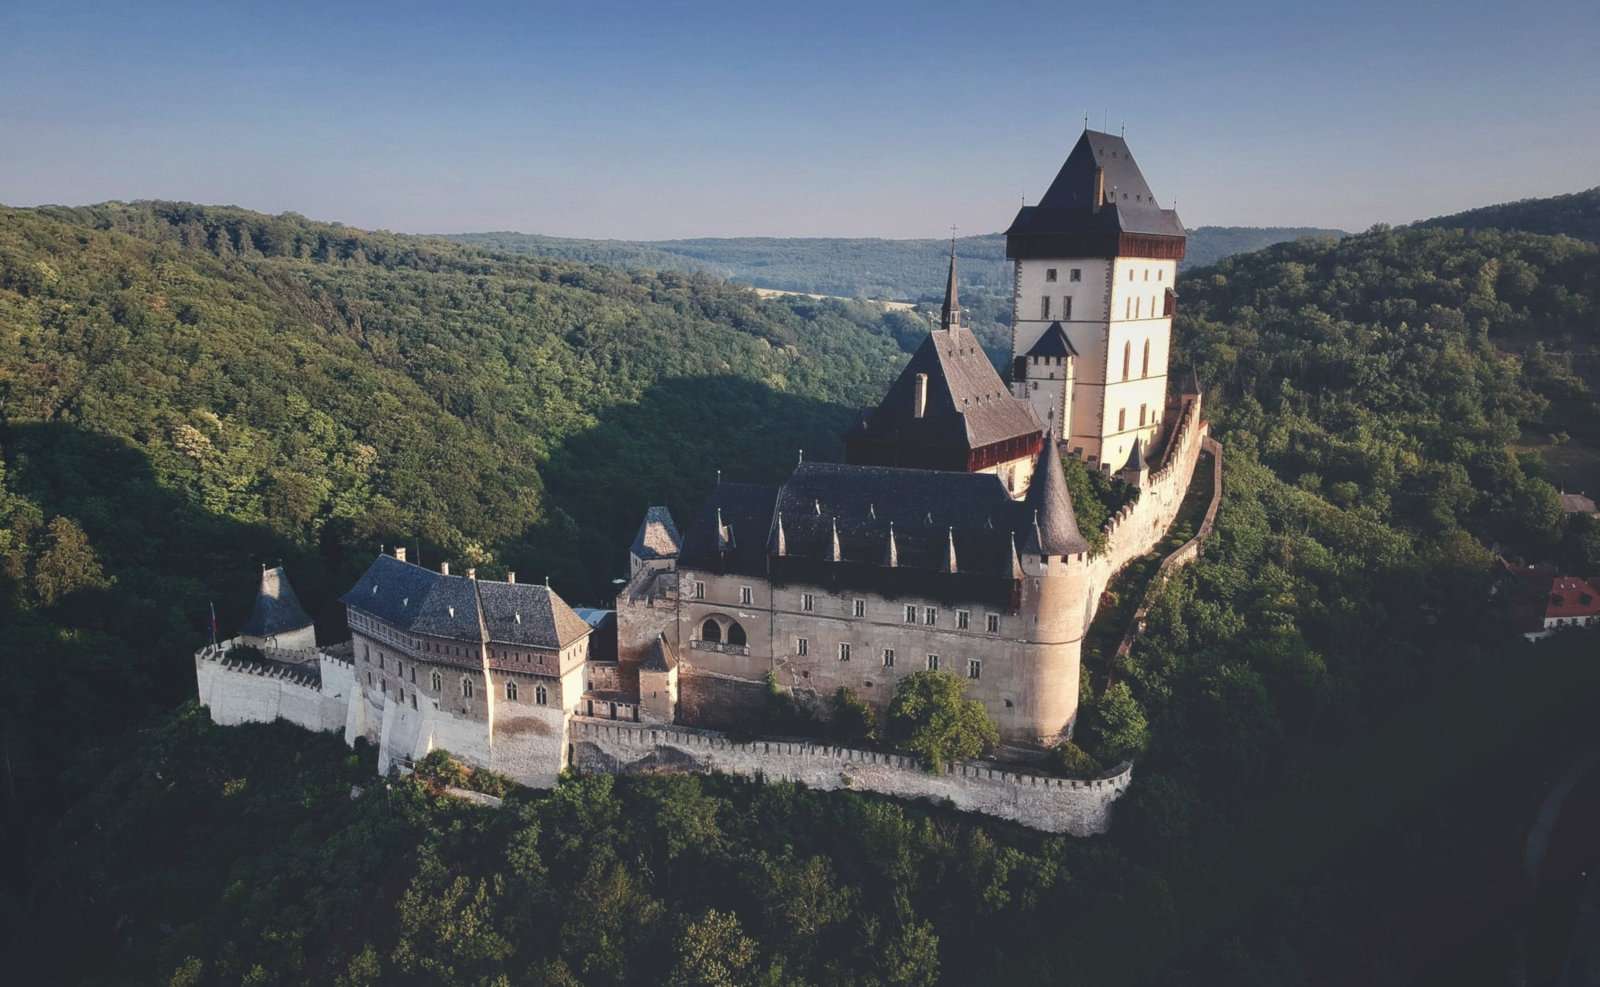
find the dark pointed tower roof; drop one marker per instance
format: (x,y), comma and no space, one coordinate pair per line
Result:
(950,315)
(1098,197)
(277,610)
(1056,526)
(1135,455)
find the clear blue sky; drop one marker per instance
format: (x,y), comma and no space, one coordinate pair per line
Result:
(644,120)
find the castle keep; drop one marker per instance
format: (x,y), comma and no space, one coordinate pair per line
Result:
(946,541)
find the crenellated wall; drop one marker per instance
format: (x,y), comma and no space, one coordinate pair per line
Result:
(246,691)
(1056,805)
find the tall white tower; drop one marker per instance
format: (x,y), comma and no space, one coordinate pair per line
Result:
(1096,265)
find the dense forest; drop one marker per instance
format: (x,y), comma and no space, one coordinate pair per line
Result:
(1575,215)
(186,391)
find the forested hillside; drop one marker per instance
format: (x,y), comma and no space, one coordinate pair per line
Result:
(1575,215)
(1313,711)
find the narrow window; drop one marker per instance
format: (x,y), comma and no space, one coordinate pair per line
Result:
(746,596)
(1147,274)
(1145,372)
(413,700)
(438,682)
(1130,270)
(1160,275)
(699,590)
(1076,274)
(844,651)
(511,690)
(613,711)
(540,696)
(366,653)
(963,618)
(888,657)
(1066,307)
(911,614)
(974,668)
(929,616)
(1138,304)
(1050,274)
(992,623)
(1141,415)
(801,646)
(1127,308)
(1127,359)
(413,675)
(807,602)
(933,663)
(1044,307)
(466,687)
(1122,419)
(859,608)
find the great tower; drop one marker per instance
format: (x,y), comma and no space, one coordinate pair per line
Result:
(1096,264)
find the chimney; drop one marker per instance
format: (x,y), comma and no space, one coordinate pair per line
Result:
(1099,187)
(444,568)
(921,405)
(472,572)
(400,552)
(511,575)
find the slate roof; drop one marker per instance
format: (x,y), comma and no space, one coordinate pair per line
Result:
(277,610)
(746,515)
(968,405)
(1577,503)
(658,536)
(950,314)
(1135,455)
(1068,205)
(421,601)
(1053,524)
(1053,342)
(660,657)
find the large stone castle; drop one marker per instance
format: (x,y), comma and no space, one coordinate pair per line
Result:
(947,541)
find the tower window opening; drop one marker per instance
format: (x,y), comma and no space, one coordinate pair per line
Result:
(1066,306)
(1145,372)
(1127,359)
(1122,419)
(1044,307)
(711,631)
(540,695)
(1076,274)
(511,690)
(438,682)
(1050,274)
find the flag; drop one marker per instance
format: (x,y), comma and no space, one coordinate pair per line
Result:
(213,625)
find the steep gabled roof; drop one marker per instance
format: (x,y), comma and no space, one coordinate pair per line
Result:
(277,610)
(421,601)
(950,314)
(737,543)
(1053,342)
(1079,204)
(1053,523)
(968,405)
(659,657)
(658,536)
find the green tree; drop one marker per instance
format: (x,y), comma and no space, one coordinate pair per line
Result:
(1114,724)
(931,717)
(712,951)
(68,563)
(851,720)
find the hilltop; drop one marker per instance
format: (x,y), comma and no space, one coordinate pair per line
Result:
(1576,215)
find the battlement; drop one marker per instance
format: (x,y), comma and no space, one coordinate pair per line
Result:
(291,665)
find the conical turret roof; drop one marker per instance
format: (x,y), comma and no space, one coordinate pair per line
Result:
(951,313)
(277,610)
(1056,525)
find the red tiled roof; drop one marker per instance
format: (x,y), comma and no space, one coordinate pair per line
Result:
(1571,596)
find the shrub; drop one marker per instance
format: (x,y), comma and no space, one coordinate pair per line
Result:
(930,717)
(1067,758)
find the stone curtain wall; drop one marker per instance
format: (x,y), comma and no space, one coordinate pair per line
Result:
(238,691)
(1055,805)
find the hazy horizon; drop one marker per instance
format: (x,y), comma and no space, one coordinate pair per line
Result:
(642,122)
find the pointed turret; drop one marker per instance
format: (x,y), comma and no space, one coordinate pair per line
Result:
(835,554)
(780,543)
(950,315)
(277,620)
(1055,523)
(1134,470)
(1016,560)
(725,540)
(892,554)
(950,551)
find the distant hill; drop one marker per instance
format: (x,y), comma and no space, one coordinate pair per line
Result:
(851,267)
(1575,215)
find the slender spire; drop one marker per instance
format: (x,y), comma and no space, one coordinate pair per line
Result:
(950,315)
(950,551)
(835,554)
(724,534)
(1055,523)
(892,558)
(1136,455)
(1016,560)
(782,543)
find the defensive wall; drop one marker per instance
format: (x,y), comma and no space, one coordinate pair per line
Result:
(1055,805)
(306,688)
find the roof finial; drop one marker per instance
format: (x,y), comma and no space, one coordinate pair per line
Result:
(836,554)
(950,315)
(719,478)
(1086,121)
(1124,128)
(782,542)
(950,555)
(800,459)
(893,556)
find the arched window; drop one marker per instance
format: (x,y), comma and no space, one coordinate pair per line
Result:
(466,687)
(438,682)
(540,696)
(736,634)
(711,631)
(1127,359)
(511,690)
(1146,371)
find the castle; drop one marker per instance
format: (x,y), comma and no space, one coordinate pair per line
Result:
(946,541)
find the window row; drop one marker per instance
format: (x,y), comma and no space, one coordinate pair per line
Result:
(1074,274)
(1122,417)
(1066,307)
(845,651)
(1161,274)
(1133,308)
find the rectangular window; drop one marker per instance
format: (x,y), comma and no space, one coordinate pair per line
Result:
(699,590)
(1044,307)
(1160,275)
(1076,274)
(844,651)
(933,663)
(807,602)
(747,596)
(974,668)
(1066,306)
(1141,414)
(1127,308)
(801,645)
(911,614)
(1122,419)
(1130,274)
(963,619)
(1050,274)
(859,608)
(929,616)
(1147,274)
(1137,302)
(888,657)
(992,623)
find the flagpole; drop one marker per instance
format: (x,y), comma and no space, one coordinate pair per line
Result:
(213,623)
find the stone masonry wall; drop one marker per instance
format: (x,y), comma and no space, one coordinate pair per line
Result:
(1056,805)
(246,692)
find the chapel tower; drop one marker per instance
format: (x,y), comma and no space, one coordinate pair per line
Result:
(1096,264)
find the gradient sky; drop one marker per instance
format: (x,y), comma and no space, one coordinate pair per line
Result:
(652,120)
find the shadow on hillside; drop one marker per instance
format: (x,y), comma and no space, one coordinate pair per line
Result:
(664,449)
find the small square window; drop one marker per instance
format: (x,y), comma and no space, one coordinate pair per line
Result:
(911,614)
(859,608)
(974,668)
(992,623)
(801,645)
(1076,274)
(844,651)
(963,619)
(933,663)
(808,602)
(1050,274)
(888,657)
(930,616)
(746,596)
